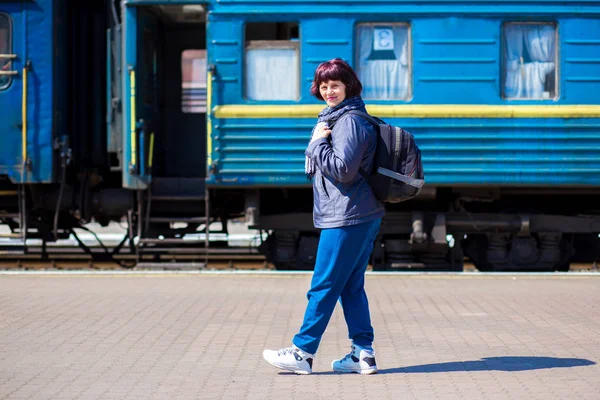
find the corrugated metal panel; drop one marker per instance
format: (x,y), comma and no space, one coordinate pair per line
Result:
(260,151)
(505,152)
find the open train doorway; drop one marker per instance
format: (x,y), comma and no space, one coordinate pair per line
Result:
(170,86)
(170,110)
(185,93)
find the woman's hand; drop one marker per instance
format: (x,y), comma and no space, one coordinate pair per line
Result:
(322,131)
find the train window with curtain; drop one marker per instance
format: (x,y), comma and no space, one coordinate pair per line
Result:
(383,60)
(272,61)
(530,61)
(5,51)
(193,81)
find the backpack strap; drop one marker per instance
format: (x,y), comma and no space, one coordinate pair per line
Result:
(371,119)
(363,173)
(414,182)
(366,116)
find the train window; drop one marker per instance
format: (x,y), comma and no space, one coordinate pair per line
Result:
(383,56)
(271,59)
(5,51)
(530,61)
(193,81)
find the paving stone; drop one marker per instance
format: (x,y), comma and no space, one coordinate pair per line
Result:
(201,336)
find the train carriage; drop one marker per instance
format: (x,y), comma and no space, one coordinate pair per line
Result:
(180,113)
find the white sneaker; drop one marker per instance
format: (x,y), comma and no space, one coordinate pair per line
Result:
(358,360)
(290,359)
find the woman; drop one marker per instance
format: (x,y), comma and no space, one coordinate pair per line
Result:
(349,215)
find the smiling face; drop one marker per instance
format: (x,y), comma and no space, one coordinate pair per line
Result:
(333,92)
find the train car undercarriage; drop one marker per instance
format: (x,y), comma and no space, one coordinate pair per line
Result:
(422,236)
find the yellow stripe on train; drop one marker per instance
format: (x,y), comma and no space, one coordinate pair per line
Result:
(415,111)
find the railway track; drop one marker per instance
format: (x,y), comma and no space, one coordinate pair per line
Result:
(219,260)
(110,249)
(55,257)
(191,255)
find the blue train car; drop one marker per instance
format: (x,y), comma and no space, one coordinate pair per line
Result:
(181,111)
(28,100)
(53,152)
(503,100)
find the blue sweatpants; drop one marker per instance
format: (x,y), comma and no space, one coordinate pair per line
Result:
(342,258)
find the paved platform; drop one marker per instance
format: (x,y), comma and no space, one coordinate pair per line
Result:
(200,336)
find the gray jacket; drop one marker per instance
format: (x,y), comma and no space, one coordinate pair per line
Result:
(342,197)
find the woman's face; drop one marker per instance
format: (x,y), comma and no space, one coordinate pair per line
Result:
(334,92)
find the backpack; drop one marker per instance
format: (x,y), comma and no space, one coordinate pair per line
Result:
(397,173)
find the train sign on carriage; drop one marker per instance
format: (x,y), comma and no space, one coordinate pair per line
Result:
(383,38)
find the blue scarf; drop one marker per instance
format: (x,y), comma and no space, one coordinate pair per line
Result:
(329,116)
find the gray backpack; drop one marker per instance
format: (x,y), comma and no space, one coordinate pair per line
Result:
(397,173)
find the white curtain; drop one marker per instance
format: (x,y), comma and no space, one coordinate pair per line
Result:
(383,79)
(271,74)
(530,57)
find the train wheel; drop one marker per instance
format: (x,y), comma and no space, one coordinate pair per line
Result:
(507,252)
(291,250)
(586,248)
(396,253)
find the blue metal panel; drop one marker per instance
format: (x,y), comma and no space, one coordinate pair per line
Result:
(439,7)
(224,41)
(32,41)
(456,56)
(11,162)
(261,152)
(132,179)
(455,151)
(456,60)
(451,60)
(538,152)
(40,46)
(580,61)
(402,7)
(128,70)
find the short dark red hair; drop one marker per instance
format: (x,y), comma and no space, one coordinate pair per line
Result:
(336,70)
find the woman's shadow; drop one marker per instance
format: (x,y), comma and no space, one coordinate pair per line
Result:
(507,364)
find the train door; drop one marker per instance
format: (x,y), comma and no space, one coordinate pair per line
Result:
(140,96)
(164,93)
(178,185)
(185,97)
(164,107)
(13,127)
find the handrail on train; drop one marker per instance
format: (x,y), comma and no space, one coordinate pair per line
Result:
(8,57)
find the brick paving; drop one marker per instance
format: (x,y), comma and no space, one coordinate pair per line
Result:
(186,336)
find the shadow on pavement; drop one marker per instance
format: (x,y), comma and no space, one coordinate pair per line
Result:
(508,364)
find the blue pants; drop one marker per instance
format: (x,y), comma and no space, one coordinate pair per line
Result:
(342,258)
